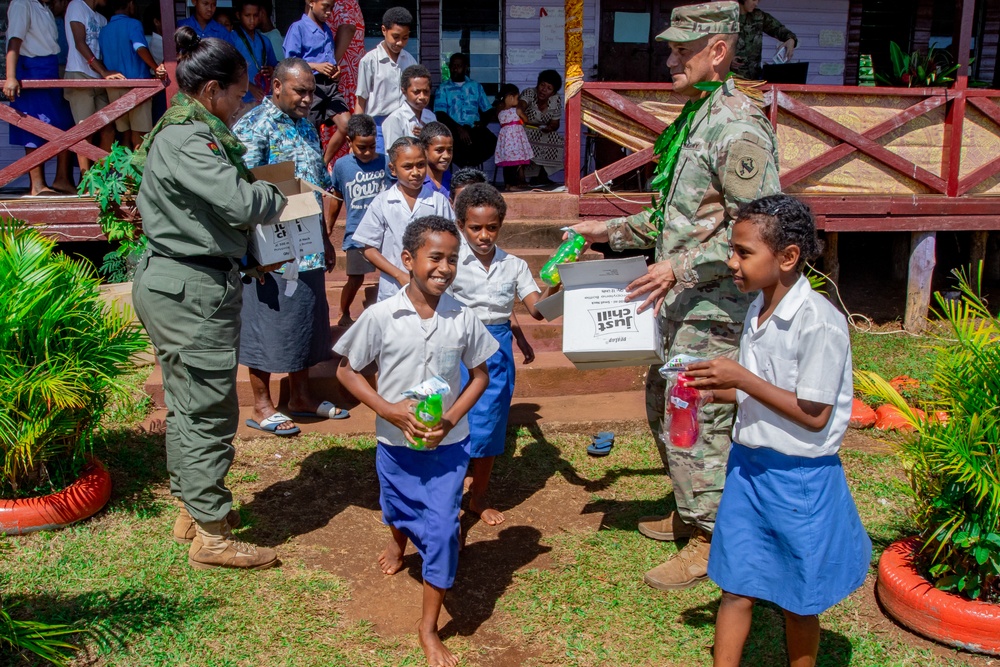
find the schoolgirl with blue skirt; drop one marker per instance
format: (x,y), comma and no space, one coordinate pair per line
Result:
(487,281)
(787,530)
(32,44)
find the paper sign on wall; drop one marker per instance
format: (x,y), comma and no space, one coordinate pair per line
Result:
(523,56)
(521,12)
(552,28)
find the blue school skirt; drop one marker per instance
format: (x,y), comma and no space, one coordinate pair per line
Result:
(788,531)
(488,417)
(420,495)
(45,104)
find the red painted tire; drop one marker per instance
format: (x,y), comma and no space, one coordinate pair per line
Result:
(81,499)
(944,617)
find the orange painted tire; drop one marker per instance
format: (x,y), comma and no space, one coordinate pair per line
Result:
(944,617)
(81,499)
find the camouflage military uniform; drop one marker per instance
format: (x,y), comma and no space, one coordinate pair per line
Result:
(730,158)
(750,48)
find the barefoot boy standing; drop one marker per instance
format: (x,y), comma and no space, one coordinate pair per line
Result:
(416,334)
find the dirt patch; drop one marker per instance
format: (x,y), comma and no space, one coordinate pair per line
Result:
(864,441)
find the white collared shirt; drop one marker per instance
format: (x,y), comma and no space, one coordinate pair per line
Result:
(80,12)
(803,347)
(408,353)
(378,80)
(489,293)
(32,23)
(387,218)
(401,123)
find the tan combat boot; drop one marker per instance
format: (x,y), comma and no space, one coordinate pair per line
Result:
(184,528)
(214,546)
(665,528)
(687,568)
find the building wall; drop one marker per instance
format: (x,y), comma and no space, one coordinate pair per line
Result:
(821,28)
(527,52)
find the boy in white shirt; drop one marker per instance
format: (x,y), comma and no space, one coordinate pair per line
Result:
(381,230)
(417,334)
(410,118)
(379,70)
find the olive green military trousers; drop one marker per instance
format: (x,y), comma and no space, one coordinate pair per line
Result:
(697,473)
(192,316)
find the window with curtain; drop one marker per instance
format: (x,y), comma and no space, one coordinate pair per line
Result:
(473,28)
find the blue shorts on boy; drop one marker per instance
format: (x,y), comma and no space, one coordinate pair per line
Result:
(420,490)
(358,183)
(386,220)
(788,530)
(258,52)
(490,295)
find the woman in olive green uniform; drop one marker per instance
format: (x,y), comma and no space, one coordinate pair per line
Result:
(198,204)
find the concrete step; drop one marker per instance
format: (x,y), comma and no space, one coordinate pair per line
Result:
(551,374)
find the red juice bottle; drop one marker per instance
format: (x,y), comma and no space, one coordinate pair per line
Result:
(683,407)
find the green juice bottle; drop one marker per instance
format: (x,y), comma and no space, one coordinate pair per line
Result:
(428,412)
(569,251)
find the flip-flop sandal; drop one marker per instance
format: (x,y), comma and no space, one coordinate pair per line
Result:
(271,424)
(326,410)
(602,444)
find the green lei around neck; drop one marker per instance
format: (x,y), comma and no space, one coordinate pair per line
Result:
(668,148)
(184,109)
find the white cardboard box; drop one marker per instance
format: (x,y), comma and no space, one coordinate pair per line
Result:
(299,229)
(601,329)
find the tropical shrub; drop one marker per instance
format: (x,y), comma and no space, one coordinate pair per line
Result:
(61,349)
(113,182)
(917,70)
(46,640)
(952,460)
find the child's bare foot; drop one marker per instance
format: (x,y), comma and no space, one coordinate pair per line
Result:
(436,652)
(345,321)
(391,560)
(490,516)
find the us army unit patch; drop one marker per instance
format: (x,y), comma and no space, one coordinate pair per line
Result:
(745,166)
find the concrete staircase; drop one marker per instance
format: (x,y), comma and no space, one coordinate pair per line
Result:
(548,390)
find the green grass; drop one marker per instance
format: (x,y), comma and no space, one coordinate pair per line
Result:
(121,572)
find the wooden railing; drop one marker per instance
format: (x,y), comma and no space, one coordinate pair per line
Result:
(957,194)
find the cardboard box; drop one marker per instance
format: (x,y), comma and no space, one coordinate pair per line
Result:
(298,231)
(601,329)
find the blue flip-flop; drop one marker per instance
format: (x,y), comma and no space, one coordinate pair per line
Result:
(602,444)
(271,424)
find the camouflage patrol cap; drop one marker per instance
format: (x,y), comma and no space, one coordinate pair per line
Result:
(691,22)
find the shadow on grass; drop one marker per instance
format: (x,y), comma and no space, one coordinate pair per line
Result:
(112,619)
(766,642)
(137,462)
(327,482)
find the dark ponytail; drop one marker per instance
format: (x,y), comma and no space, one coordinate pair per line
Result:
(200,60)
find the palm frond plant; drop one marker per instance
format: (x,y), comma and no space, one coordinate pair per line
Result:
(953,462)
(113,182)
(61,349)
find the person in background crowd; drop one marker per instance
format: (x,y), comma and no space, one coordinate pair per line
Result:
(266,28)
(460,104)
(84,26)
(754,24)
(348,25)
(198,207)
(514,152)
(124,48)
(58,8)
(463,178)
(153,29)
(203,21)
(282,332)
(411,116)
(311,39)
(543,109)
(379,72)
(224,17)
(33,53)
(439,147)
(255,49)
(733,160)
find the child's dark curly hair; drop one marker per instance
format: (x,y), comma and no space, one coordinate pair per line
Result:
(433,130)
(466,176)
(418,230)
(784,221)
(480,194)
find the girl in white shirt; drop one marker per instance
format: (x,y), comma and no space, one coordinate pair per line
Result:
(787,529)
(487,281)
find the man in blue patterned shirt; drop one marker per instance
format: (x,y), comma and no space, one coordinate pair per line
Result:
(286,318)
(458,104)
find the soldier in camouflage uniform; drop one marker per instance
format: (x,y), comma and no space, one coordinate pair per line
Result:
(729,158)
(754,24)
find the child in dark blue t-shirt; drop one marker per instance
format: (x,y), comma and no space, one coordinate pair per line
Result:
(357,179)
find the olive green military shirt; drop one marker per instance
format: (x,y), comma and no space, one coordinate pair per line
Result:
(192,200)
(750,48)
(730,158)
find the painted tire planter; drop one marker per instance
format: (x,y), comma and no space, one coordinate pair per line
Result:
(81,499)
(944,617)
